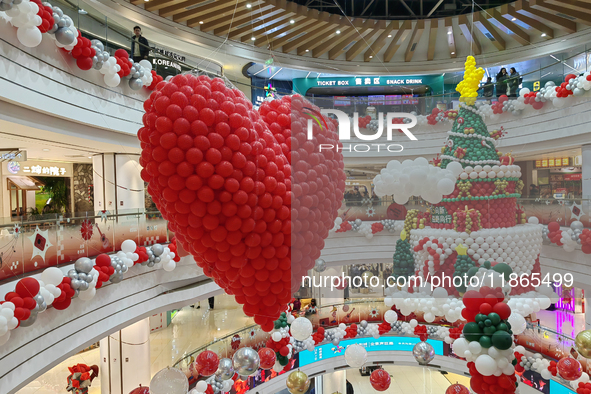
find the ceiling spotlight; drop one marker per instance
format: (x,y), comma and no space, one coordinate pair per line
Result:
(449,32)
(291,21)
(200,22)
(307,50)
(253,38)
(45,150)
(389,35)
(338,32)
(543,34)
(370,56)
(248,5)
(453,53)
(90,157)
(514,19)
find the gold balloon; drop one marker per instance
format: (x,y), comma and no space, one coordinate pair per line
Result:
(297,382)
(583,343)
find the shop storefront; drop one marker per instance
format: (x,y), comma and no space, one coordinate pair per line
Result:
(559,177)
(35,187)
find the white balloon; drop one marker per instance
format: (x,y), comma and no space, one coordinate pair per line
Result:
(201,385)
(355,355)
(29,36)
(486,365)
(128,246)
(52,276)
(391,316)
(87,295)
(518,323)
(301,329)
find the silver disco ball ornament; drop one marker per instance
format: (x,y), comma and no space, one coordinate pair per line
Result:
(246,361)
(320,265)
(423,353)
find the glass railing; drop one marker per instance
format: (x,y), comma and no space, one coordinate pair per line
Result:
(547,209)
(31,243)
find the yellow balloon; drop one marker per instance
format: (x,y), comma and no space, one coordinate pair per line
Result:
(297,382)
(583,343)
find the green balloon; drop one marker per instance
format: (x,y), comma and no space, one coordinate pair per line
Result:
(504,269)
(485,341)
(481,324)
(487,264)
(472,271)
(488,322)
(502,340)
(480,317)
(494,318)
(472,332)
(489,330)
(502,327)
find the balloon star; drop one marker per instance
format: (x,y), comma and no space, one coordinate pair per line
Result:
(461,249)
(403,235)
(40,242)
(576,211)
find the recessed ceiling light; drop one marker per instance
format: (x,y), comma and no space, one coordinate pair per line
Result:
(449,32)
(200,22)
(307,50)
(370,56)
(389,35)
(248,5)
(253,38)
(90,157)
(45,150)
(291,21)
(514,19)
(453,53)
(338,32)
(543,34)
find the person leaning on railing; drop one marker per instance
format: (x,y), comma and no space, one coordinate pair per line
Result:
(140,48)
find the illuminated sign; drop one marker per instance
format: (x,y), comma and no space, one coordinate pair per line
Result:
(166,63)
(13,155)
(51,171)
(39,168)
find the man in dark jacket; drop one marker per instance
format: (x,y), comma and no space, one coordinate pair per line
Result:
(139,46)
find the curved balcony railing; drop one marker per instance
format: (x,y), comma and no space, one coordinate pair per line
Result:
(32,243)
(546,341)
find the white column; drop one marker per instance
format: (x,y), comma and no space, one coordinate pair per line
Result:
(125,359)
(335,382)
(330,296)
(586,156)
(118,185)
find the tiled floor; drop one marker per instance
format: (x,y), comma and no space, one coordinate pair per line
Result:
(189,329)
(566,323)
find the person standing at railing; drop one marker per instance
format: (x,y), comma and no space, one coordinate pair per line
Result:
(514,81)
(488,88)
(502,82)
(140,48)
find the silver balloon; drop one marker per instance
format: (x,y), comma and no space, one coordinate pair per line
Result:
(116,278)
(363,323)
(157,249)
(246,361)
(577,225)
(83,286)
(423,353)
(135,84)
(336,342)
(83,264)
(124,269)
(72,274)
(58,11)
(65,35)
(30,320)
(53,28)
(320,265)
(5,6)
(41,305)
(225,369)
(75,284)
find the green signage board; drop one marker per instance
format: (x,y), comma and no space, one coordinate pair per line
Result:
(440,215)
(435,82)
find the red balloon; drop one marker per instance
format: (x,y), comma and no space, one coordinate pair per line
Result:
(27,287)
(457,388)
(267,358)
(140,390)
(380,380)
(569,368)
(553,226)
(207,363)
(503,310)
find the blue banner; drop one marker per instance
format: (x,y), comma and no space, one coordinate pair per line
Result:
(385,343)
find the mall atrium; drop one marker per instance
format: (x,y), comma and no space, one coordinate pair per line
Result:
(295,196)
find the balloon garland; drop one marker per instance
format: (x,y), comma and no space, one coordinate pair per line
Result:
(33,296)
(32,18)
